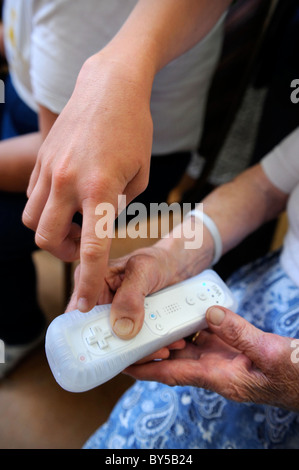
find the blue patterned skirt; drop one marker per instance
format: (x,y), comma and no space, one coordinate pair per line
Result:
(151,415)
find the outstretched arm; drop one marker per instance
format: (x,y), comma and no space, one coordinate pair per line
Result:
(100,145)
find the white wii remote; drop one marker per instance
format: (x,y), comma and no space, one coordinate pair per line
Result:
(83,351)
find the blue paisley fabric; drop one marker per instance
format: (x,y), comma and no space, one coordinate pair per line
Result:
(151,415)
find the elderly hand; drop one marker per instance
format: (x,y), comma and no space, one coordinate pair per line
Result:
(234,359)
(127,281)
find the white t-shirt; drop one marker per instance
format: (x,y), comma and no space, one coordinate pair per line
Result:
(47,42)
(282,168)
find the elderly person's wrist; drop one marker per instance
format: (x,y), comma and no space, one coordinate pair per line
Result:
(186,262)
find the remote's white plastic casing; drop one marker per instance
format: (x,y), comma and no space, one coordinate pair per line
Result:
(83,352)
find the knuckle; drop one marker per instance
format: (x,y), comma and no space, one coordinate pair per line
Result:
(42,241)
(46,237)
(91,251)
(137,268)
(245,337)
(236,335)
(143,261)
(62,176)
(28,221)
(135,263)
(98,184)
(135,303)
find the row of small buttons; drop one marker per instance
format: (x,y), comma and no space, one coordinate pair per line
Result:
(208,291)
(191,300)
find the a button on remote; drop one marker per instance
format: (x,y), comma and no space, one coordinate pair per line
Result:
(190,300)
(202,296)
(98,336)
(82,357)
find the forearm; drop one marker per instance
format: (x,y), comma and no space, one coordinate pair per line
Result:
(155,33)
(158,31)
(238,208)
(243,205)
(17,159)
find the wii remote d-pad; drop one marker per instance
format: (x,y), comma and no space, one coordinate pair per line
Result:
(83,351)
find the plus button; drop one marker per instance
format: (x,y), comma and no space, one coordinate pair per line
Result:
(98,336)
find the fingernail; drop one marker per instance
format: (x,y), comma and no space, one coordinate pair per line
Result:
(82,305)
(215,315)
(123,326)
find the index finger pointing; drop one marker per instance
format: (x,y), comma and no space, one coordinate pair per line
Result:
(96,240)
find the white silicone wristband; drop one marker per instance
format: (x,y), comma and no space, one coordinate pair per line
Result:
(212,227)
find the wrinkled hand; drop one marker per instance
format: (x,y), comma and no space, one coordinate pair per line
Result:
(98,148)
(127,281)
(234,359)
